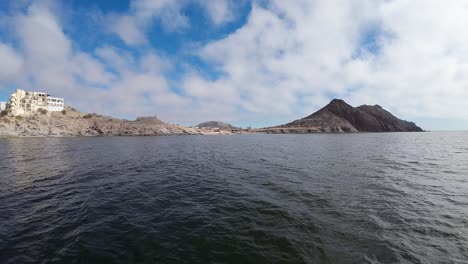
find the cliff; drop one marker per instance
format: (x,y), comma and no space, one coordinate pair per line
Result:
(74,123)
(338,116)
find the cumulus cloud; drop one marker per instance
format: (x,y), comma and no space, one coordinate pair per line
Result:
(10,62)
(219,11)
(49,60)
(109,81)
(287,50)
(132,27)
(422,68)
(409,56)
(128,28)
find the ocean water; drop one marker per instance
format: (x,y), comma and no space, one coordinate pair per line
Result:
(330,198)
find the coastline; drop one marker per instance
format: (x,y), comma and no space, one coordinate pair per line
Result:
(336,117)
(224,133)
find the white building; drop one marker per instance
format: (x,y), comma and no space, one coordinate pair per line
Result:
(55,104)
(25,103)
(2,106)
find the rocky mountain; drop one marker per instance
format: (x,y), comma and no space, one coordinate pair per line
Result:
(216,124)
(338,116)
(74,123)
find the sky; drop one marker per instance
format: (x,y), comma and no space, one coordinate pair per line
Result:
(247,62)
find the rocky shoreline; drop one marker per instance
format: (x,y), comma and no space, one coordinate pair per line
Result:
(70,123)
(336,117)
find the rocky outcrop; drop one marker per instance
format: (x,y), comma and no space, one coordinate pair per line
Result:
(338,116)
(216,124)
(73,123)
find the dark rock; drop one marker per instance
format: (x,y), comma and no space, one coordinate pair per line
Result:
(216,124)
(338,117)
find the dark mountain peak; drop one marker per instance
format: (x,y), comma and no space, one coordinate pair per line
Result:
(339,116)
(335,106)
(337,102)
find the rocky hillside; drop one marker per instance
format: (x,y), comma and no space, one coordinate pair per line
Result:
(74,123)
(338,116)
(216,124)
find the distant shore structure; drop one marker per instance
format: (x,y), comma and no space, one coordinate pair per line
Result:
(25,103)
(3,106)
(147,118)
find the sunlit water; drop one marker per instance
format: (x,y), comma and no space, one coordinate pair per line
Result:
(354,198)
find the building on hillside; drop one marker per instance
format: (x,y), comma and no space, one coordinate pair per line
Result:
(55,104)
(3,106)
(25,103)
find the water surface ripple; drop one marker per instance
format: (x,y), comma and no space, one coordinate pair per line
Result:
(356,198)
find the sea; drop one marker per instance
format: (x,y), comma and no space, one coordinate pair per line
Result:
(316,198)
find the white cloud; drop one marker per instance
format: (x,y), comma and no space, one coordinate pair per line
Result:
(219,11)
(90,70)
(290,50)
(421,70)
(128,29)
(110,81)
(278,55)
(48,52)
(132,27)
(167,11)
(10,62)
(115,58)
(41,36)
